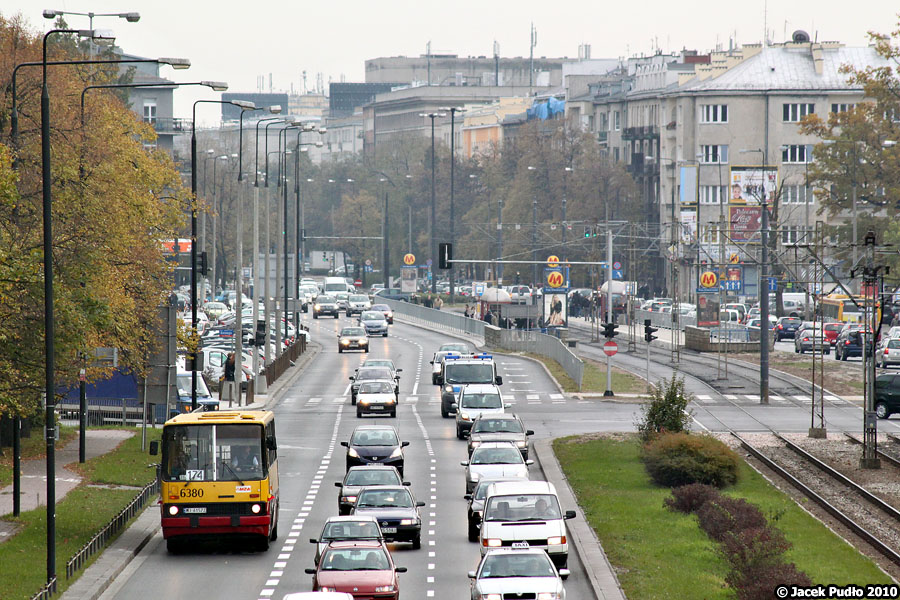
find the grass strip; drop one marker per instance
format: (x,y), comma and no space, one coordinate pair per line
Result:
(660,554)
(32,447)
(594,379)
(80,515)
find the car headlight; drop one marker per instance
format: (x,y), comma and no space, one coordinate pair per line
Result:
(464,416)
(492,542)
(521,444)
(325,588)
(398,452)
(407,521)
(474,476)
(448,389)
(474,445)
(384,588)
(364,341)
(345,342)
(363,400)
(317,307)
(556,541)
(548,596)
(350,499)
(390,400)
(352,453)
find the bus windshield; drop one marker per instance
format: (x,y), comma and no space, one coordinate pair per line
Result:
(226,452)
(469,373)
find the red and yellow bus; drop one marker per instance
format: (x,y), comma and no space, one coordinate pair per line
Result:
(219,476)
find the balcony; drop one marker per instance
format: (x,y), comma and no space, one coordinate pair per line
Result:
(602,137)
(641,133)
(170,126)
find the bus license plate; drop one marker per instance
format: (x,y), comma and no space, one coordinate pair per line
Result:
(388,530)
(194,510)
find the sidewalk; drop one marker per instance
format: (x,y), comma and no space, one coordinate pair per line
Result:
(34,473)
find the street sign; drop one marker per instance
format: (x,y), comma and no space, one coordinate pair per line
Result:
(368,262)
(369,269)
(555,279)
(617,273)
(708,279)
(610,348)
(409,259)
(428,262)
(617,266)
(773,284)
(732,286)
(358,282)
(734,258)
(552,261)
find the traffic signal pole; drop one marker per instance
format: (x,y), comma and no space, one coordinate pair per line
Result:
(609,262)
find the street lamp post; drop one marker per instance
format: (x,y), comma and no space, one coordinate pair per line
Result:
(452,110)
(534,267)
(433,249)
(565,224)
(49,334)
(763,293)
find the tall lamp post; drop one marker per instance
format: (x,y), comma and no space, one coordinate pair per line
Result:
(49,334)
(534,267)
(433,249)
(298,217)
(452,110)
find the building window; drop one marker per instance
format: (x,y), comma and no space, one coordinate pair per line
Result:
(796,153)
(714,155)
(714,113)
(713,194)
(792,113)
(616,120)
(794,234)
(150,111)
(709,233)
(796,194)
(837,108)
(616,154)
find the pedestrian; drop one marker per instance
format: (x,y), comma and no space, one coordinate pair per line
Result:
(466,312)
(438,303)
(226,391)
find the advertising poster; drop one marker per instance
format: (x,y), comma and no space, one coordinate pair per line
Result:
(408,280)
(688,188)
(555,309)
(749,185)
(733,273)
(688,227)
(745,222)
(708,310)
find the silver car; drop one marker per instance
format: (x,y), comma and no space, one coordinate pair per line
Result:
(513,573)
(495,460)
(374,322)
(357,304)
(888,353)
(346,528)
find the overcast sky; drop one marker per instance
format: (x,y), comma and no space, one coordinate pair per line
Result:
(238,41)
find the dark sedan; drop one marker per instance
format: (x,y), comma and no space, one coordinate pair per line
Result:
(364,476)
(386,311)
(505,427)
(396,511)
(475,510)
(786,328)
(375,445)
(326,305)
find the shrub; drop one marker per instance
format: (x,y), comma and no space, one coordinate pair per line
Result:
(727,517)
(667,409)
(676,459)
(689,498)
(759,584)
(754,548)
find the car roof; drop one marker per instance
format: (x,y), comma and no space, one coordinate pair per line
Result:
(480,388)
(351,518)
(373,467)
(357,544)
(538,551)
(507,416)
(496,445)
(374,427)
(525,486)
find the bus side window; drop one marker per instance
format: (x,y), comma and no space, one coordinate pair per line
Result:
(271,453)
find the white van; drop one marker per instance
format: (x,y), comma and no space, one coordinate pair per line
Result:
(525,514)
(334,285)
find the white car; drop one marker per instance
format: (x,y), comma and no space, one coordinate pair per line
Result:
(517,573)
(376,397)
(357,304)
(476,399)
(495,460)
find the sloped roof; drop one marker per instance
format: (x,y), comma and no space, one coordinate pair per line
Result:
(790,67)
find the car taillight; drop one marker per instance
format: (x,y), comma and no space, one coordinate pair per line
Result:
(846,342)
(779,327)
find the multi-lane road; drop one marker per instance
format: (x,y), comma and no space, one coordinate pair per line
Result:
(313,416)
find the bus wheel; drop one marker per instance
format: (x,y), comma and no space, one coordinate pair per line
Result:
(174,546)
(263,543)
(274,535)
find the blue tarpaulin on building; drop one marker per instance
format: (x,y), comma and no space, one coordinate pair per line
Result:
(546,110)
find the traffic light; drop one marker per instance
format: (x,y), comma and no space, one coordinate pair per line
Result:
(324,256)
(445,255)
(648,331)
(609,330)
(588,232)
(204,264)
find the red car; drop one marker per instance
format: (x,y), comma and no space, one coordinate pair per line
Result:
(831,332)
(364,569)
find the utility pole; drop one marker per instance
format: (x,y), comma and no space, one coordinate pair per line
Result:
(499,240)
(609,311)
(531,60)
(764,306)
(870,458)
(385,265)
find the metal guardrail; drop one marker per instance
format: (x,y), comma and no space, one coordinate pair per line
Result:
(281,364)
(99,541)
(441,319)
(46,592)
(664,320)
(515,340)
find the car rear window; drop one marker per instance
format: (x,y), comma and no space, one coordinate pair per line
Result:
(833,326)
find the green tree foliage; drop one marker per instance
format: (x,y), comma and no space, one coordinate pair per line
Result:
(113,204)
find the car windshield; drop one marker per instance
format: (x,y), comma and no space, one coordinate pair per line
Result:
(359,298)
(363,477)
(213,452)
(524,507)
(325,300)
(371,315)
(378,373)
(374,437)
(376,387)
(353,332)
(469,373)
(355,559)
(384,499)
(351,530)
(487,400)
(497,426)
(379,363)
(382,307)
(532,564)
(461,348)
(496,456)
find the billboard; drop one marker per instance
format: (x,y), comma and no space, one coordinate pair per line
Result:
(688,189)
(745,222)
(708,310)
(408,280)
(555,309)
(749,185)
(688,227)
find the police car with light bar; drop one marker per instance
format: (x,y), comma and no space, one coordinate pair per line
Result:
(460,369)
